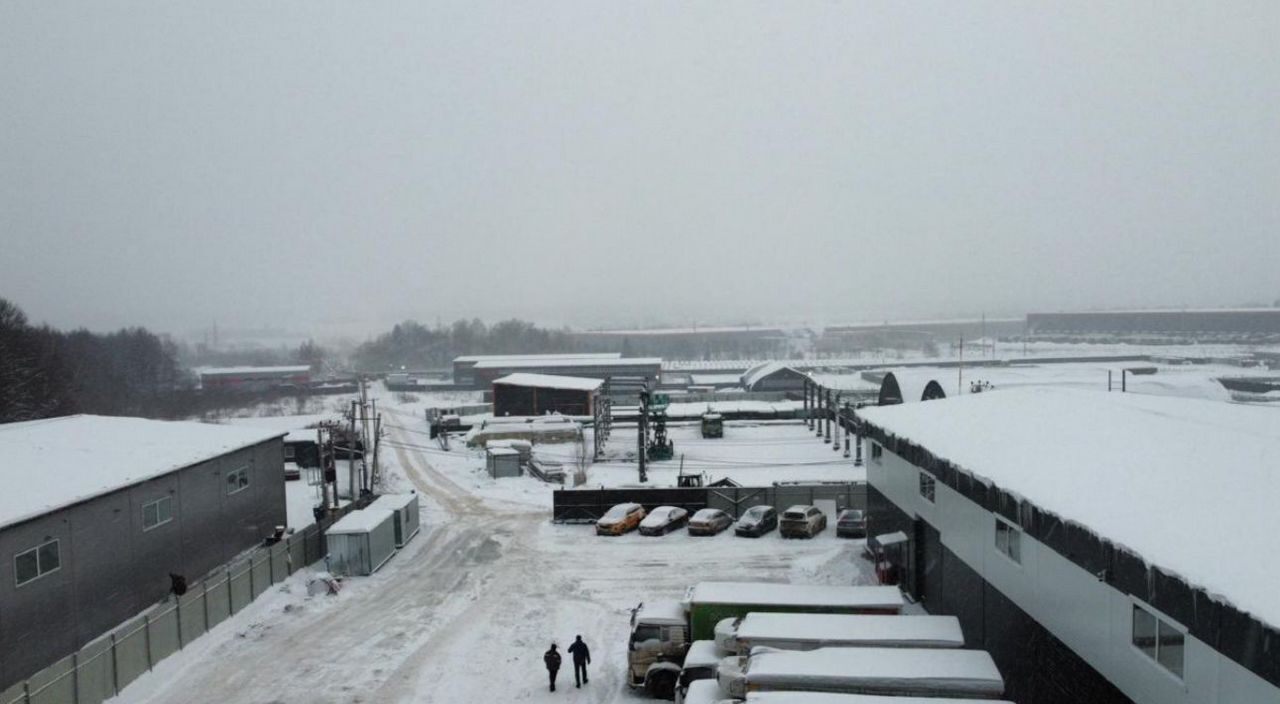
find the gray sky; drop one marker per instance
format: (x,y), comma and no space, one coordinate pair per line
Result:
(344,165)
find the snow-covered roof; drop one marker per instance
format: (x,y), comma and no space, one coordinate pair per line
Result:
(550,381)
(760,371)
(880,669)
(394,502)
(56,462)
(702,653)
(713,379)
(568,362)
(829,698)
(762,628)
(703,692)
(1122,465)
(661,612)
(534,357)
(362,521)
(226,371)
(795,595)
(503,451)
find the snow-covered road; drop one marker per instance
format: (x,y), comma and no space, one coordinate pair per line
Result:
(464,613)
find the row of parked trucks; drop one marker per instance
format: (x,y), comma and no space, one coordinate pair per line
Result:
(792,644)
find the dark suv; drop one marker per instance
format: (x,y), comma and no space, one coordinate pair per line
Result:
(756,521)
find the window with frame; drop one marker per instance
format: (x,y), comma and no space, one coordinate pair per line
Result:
(157,513)
(1159,640)
(237,480)
(876,451)
(290,453)
(928,487)
(1009,540)
(35,563)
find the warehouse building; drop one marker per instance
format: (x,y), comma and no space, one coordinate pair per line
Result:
(774,376)
(1255,324)
(464,366)
(99,512)
(1102,547)
(485,372)
(540,394)
(254,378)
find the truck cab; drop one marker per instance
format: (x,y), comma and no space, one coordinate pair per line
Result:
(656,647)
(712,425)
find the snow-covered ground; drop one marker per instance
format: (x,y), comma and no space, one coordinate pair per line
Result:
(465,611)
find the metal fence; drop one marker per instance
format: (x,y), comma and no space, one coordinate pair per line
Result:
(588,505)
(99,670)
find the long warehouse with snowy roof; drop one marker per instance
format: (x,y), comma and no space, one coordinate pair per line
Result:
(1103,547)
(98,512)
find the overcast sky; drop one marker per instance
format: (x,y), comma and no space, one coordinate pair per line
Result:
(349,164)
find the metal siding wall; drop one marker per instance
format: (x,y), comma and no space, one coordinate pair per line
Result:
(157,552)
(217,602)
(200,499)
(109,585)
(39,617)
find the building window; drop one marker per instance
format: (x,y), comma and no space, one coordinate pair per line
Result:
(1009,540)
(289,453)
(36,562)
(157,513)
(237,480)
(876,451)
(928,486)
(1159,640)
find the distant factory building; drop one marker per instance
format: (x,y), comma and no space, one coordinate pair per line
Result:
(539,394)
(254,378)
(98,513)
(484,372)
(464,366)
(773,376)
(1103,547)
(1255,324)
(693,342)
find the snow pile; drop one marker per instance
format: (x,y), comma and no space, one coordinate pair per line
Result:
(1134,469)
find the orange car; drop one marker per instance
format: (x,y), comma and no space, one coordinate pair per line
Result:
(620,519)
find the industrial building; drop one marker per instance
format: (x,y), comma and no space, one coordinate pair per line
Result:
(484,372)
(1103,547)
(692,342)
(464,366)
(1255,324)
(539,394)
(100,513)
(774,376)
(254,378)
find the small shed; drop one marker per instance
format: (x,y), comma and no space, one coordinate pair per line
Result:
(361,542)
(404,509)
(502,462)
(524,447)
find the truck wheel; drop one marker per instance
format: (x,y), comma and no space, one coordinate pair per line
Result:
(661,684)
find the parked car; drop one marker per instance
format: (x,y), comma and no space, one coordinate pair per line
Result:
(756,521)
(801,521)
(709,521)
(620,519)
(663,520)
(851,523)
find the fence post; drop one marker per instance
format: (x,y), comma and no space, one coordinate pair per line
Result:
(115,666)
(177,609)
(75,677)
(204,603)
(146,631)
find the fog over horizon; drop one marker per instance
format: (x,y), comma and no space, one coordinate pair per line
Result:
(337,167)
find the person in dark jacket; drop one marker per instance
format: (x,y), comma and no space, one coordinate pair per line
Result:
(581,656)
(552,660)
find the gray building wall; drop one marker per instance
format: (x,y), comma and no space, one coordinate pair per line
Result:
(111,568)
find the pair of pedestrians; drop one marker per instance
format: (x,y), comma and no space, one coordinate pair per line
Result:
(581,658)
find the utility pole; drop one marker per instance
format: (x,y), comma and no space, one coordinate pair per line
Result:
(835,439)
(351,456)
(642,440)
(960,370)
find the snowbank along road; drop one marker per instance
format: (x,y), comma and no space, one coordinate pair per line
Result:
(465,611)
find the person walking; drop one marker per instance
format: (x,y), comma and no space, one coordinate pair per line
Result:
(552,660)
(581,656)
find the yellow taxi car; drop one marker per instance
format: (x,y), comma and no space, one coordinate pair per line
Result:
(620,519)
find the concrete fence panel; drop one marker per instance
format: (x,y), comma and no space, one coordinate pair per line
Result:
(131,652)
(162,632)
(191,615)
(260,571)
(55,684)
(95,673)
(241,589)
(17,694)
(217,600)
(279,561)
(297,549)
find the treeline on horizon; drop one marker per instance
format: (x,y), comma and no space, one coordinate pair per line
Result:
(412,345)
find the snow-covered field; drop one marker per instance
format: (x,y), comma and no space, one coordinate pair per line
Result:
(465,611)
